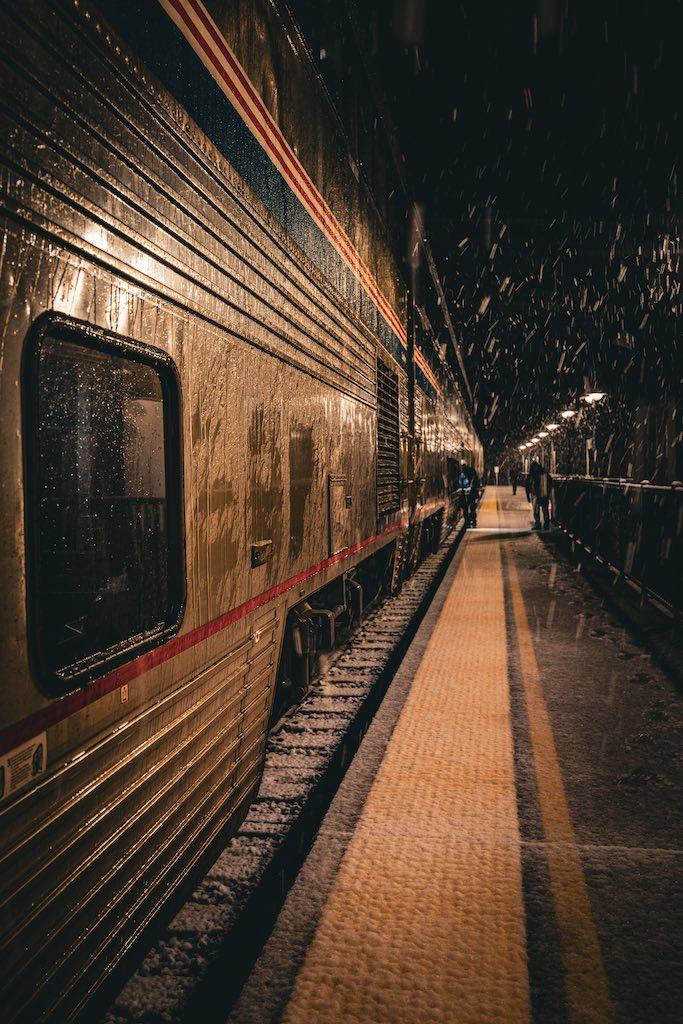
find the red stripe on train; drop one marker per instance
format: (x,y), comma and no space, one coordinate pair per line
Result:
(293,170)
(316,197)
(64,707)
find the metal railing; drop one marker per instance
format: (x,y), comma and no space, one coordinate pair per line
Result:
(636,528)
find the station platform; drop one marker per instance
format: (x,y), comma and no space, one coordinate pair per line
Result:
(506,845)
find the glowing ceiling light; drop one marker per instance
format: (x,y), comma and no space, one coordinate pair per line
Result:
(521,447)
(553,426)
(543,433)
(535,440)
(568,413)
(593,396)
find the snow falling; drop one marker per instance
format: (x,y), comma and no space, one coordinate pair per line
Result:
(541,142)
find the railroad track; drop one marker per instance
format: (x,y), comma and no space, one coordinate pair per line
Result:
(197,968)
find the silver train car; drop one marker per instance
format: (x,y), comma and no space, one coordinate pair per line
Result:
(217,446)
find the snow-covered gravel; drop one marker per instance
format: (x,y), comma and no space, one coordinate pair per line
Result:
(209,946)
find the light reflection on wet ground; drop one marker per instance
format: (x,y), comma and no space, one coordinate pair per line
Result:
(617,722)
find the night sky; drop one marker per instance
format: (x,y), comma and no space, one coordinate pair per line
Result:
(541,140)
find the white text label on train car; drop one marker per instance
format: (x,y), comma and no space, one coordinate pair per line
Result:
(23,765)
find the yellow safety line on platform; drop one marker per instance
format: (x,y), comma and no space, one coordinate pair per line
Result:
(425,922)
(588,998)
(488,504)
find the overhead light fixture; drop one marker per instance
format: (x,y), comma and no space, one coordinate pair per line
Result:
(568,413)
(553,426)
(593,396)
(535,440)
(543,433)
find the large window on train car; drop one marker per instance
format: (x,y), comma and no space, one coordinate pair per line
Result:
(103,511)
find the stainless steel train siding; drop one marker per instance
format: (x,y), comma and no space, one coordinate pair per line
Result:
(119,213)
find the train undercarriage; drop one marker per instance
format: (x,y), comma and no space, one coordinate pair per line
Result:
(326,619)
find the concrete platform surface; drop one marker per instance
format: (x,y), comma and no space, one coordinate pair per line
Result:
(506,845)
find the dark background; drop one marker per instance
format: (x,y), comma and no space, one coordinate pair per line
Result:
(540,141)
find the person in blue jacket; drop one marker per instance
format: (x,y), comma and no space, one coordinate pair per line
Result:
(469,493)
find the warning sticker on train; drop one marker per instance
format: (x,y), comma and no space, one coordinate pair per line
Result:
(23,765)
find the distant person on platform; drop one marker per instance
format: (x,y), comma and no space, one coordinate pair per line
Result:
(469,492)
(538,484)
(514,477)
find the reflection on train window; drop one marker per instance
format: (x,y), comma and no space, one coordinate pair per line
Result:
(106,565)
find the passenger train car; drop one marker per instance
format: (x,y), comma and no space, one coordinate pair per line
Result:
(218,444)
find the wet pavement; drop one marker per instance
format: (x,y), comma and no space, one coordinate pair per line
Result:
(507,844)
(198,964)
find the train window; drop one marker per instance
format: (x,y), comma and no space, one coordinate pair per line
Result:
(104,522)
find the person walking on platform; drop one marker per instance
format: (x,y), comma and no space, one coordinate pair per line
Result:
(514,476)
(469,493)
(538,486)
(474,496)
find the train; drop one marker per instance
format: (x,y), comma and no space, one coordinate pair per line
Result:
(221,440)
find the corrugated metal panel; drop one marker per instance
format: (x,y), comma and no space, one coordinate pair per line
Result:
(114,830)
(388,441)
(152,204)
(419,415)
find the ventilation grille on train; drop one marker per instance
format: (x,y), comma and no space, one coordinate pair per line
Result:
(388,442)
(419,416)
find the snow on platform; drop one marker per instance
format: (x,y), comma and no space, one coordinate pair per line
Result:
(203,954)
(506,845)
(426,919)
